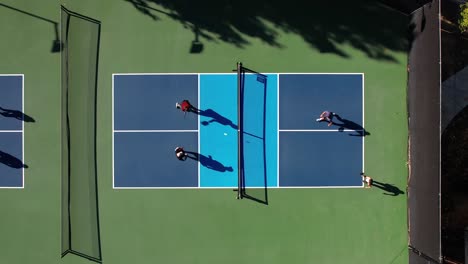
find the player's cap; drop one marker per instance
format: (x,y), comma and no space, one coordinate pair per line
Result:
(177,105)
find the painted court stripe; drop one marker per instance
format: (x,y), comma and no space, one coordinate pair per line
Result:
(232,73)
(18,131)
(113,129)
(317,130)
(234,187)
(22,129)
(363,124)
(152,131)
(198,118)
(277,129)
(11,131)
(152,188)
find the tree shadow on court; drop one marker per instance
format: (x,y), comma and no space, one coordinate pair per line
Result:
(11,161)
(16,114)
(348,124)
(328,27)
(208,162)
(389,189)
(215,118)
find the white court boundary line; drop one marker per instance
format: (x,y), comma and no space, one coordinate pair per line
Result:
(18,131)
(235,187)
(153,131)
(198,119)
(317,130)
(278,130)
(364,126)
(233,73)
(113,132)
(22,126)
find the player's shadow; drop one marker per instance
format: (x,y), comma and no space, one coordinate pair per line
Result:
(215,118)
(389,189)
(16,114)
(348,124)
(11,161)
(208,162)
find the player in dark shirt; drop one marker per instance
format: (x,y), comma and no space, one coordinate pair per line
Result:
(180,153)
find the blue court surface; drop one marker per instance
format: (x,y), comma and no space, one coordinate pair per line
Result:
(11,131)
(283,146)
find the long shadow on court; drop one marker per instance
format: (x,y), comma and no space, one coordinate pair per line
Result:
(325,26)
(348,124)
(16,114)
(11,161)
(56,44)
(208,162)
(389,189)
(215,118)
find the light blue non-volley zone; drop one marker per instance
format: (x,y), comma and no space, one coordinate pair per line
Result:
(219,125)
(11,131)
(281,145)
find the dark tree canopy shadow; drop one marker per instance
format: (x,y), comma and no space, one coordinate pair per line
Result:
(389,189)
(16,114)
(215,117)
(348,124)
(323,25)
(454,183)
(11,161)
(208,162)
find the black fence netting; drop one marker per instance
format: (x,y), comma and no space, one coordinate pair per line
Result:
(80,214)
(424,136)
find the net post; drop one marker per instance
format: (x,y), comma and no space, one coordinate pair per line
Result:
(239,130)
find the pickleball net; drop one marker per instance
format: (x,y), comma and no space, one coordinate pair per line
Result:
(252,170)
(80,217)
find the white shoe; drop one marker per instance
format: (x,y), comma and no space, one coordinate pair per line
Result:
(318,119)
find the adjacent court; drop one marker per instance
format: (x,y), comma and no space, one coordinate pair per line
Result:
(283,145)
(11,131)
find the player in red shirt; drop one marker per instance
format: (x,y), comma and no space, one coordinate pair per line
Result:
(185,106)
